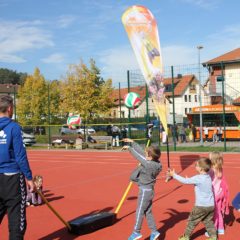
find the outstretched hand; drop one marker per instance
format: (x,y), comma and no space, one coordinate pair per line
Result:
(170,172)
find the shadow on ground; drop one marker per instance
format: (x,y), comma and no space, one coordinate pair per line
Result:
(155,200)
(187,160)
(168,223)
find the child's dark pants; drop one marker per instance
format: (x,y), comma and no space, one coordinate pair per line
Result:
(201,214)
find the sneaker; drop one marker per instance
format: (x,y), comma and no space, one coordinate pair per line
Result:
(184,238)
(154,235)
(213,238)
(206,234)
(135,236)
(220,231)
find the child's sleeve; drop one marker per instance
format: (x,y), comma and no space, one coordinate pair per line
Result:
(20,153)
(192,180)
(135,174)
(138,153)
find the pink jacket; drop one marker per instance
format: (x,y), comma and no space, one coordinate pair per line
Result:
(221,191)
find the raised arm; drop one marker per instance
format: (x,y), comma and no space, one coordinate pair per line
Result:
(192,180)
(137,151)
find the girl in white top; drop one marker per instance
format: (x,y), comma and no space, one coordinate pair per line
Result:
(205,129)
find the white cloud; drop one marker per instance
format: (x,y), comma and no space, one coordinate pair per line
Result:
(18,36)
(179,55)
(7,58)
(224,40)
(115,63)
(53,58)
(65,21)
(207,4)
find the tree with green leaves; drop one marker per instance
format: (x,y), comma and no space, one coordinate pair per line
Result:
(8,76)
(83,91)
(32,100)
(54,101)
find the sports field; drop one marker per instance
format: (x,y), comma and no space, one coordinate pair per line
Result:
(77,183)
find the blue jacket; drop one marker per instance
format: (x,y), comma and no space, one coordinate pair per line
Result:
(13,156)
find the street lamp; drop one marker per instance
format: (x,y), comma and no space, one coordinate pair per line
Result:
(200,94)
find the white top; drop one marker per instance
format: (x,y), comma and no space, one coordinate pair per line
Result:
(205,131)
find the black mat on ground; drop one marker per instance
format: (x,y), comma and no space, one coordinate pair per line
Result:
(91,223)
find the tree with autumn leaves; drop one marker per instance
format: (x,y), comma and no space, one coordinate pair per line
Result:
(81,91)
(85,92)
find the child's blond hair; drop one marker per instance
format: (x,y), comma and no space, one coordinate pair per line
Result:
(217,163)
(204,163)
(38,181)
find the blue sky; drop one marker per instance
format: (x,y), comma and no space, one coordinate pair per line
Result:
(51,34)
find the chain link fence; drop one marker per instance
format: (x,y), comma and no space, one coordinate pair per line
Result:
(203,111)
(203,107)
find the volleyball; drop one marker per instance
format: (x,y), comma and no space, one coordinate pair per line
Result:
(132,100)
(73,121)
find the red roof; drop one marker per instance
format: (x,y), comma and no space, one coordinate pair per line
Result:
(233,56)
(181,84)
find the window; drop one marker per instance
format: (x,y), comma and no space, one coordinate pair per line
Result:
(168,88)
(185,97)
(219,78)
(190,110)
(189,98)
(186,111)
(196,98)
(192,87)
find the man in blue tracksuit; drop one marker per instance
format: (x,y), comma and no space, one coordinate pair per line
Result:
(14,168)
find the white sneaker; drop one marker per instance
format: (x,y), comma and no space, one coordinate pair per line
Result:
(206,234)
(220,231)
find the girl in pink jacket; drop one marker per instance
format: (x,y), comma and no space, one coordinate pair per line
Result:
(220,190)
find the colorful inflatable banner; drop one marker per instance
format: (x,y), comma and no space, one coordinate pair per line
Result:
(73,121)
(142,31)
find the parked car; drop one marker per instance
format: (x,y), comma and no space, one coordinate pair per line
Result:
(79,130)
(28,139)
(90,130)
(66,130)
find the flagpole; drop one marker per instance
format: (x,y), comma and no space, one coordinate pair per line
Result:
(168,160)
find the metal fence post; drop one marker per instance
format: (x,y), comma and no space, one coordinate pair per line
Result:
(223,103)
(129,111)
(174,121)
(119,98)
(147,112)
(49,118)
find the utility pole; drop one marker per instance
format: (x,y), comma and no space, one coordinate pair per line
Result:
(200,95)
